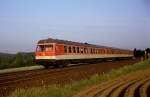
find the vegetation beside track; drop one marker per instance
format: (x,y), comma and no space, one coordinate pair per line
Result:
(71,89)
(16,60)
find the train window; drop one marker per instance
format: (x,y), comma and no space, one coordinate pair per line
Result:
(94,51)
(78,50)
(110,52)
(88,50)
(85,50)
(43,48)
(74,50)
(39,48)
(97,51)
(82,51)
(48,47)
(91,51)
(65,49)
(102,51)
(70,49)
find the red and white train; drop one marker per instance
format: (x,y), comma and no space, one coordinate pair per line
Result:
(61,52)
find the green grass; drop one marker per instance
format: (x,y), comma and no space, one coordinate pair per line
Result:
(71,89)
(10,70)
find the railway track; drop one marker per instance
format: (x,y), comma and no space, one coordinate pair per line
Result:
(136,84)
(35,78)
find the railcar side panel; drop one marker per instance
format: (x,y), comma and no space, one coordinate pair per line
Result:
(59,49)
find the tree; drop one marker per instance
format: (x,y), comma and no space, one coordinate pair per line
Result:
(28,60)
(138,53)
(0,60)
(147,52)
(134,52)
(19,61)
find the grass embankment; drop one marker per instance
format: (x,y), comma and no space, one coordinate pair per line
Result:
(71,89)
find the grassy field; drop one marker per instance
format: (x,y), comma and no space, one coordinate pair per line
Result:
(71,89)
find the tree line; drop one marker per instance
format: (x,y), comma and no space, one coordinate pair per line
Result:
(141,53)
(16,60)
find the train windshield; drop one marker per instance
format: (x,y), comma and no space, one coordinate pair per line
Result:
(43,48)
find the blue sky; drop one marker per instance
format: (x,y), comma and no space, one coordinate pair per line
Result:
(116,23)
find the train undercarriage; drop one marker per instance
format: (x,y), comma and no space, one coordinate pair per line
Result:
(63,63)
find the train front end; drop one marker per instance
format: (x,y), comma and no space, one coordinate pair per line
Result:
(45,54)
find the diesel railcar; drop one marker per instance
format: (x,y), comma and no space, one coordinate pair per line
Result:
(61,52)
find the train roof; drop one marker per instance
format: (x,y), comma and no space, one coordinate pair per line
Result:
(51,40)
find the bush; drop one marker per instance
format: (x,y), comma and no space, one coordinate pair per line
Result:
(18,60)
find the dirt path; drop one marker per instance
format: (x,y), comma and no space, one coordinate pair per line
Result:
(135,84)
